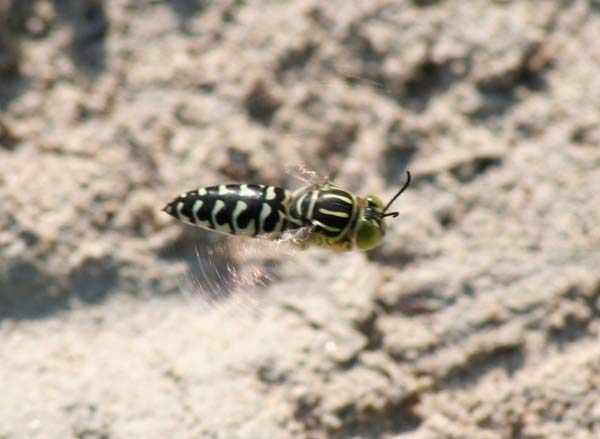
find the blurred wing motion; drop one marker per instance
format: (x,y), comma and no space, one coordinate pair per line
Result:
(233,267)
(306,176)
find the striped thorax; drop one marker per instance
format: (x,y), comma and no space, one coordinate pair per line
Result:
(329,210)
(325,214)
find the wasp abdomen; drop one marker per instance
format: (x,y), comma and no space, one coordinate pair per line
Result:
(245,209)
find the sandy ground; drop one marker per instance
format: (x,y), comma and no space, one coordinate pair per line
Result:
(479,316)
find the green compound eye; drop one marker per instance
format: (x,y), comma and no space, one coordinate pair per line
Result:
(375,201)
(369,234)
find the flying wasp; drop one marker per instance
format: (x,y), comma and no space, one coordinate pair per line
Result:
(322,214)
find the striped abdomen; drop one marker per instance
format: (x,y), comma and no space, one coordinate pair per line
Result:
(246,209)
(331,210)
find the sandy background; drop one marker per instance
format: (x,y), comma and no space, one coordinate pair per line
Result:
(478,317)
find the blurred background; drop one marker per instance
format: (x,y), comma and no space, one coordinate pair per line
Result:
(478,316)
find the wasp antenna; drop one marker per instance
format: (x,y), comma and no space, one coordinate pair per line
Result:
(396,196)
(392,214)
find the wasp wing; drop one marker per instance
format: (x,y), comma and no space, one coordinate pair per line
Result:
(237,268)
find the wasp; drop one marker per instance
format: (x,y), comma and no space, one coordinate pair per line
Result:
(323,214)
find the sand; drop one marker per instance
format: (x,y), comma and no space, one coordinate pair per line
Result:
(477,318)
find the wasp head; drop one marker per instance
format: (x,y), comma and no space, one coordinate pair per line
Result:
(371,225)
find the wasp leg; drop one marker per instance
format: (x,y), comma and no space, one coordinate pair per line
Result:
(342,246)
(339,246)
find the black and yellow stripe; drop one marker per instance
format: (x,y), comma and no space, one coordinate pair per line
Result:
(245,209)
(248,209)
(329,209)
